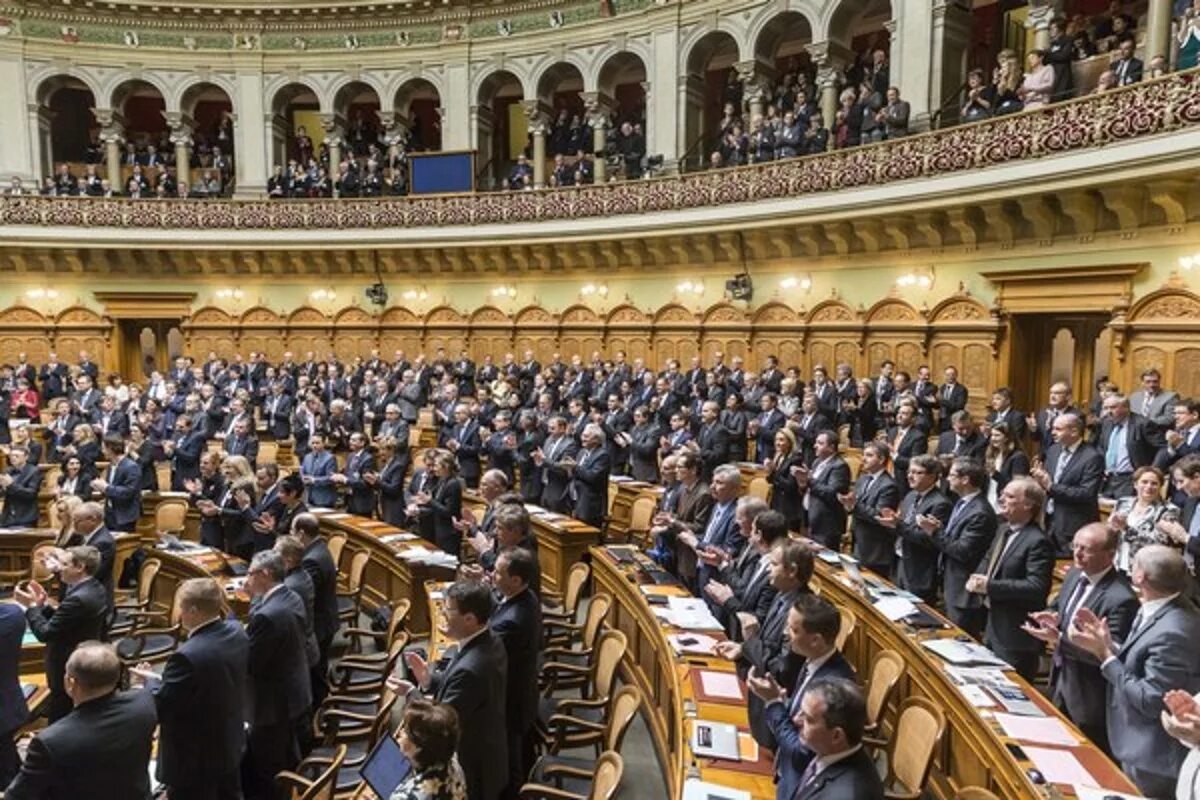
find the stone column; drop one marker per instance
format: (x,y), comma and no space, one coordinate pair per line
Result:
(334,138)
(599,114)
(1038,21)
(896,55)
(827,81)
(1158,32)
(43,144)
(951,38)
(256,145)
(665,108)
(754,81)
(539,126)
(395,132)
(182,128)
(112,134)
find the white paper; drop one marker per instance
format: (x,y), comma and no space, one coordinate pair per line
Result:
(976,696)
(895,608)
(413,553)
(337,516)
(703,790)
(1092,793)
(1058,766)
(699,643)
(691,613)
(962,653)
(721,684)
(1045,730)
(397,537)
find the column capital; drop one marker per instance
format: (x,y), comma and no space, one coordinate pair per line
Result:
(890,26)
(753,74)
(1040,15)
(598,109)
(395,128)
(829,54)
(537,117)
(334,126)
(109,119)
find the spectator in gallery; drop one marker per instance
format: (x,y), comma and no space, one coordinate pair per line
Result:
(1038,84)
(980,97)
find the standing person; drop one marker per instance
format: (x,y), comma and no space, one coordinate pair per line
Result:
(318,563)
(20,486)
(589,478)
(828,477)
(917,555)
(200,699)
(13,710)
(1071,479)
(874,495)
(121,488)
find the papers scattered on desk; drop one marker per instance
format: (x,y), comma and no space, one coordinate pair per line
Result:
(721,684)
(392,538)
(1058,766)
(415,552)
(1092,793)
(320,510)
(703,790)
(691,613)
(984,676)
(964,653)
(1044,730)
(895,608)
(620,478)
(695,644)
(829,557)
(173,494)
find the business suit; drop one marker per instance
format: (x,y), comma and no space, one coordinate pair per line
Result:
(1127,71)
(280,689)
(973,446)
(769,652)
(21,498)
(1163,653)
(123,496)
(769,423)
(1072,497)
(1014,419)
(826,515)
(750,581)
(212,489)
(469,445)
(963,541)
(917,567)
(874,545)
(301,583)
(444,506)
(1078,688)
(317,469)
(786,495)
(951,398)
(721,532)
(362,498)
(80,616)
(713,441)
(1124,454)
(555,478)
(13,710)
(200,703)
(104,543)
(791,753)
(853,776)
(904,445)
(99,751)
(1018,584)
(185,458)
(1158,413)
(643,452)
(236,531)
(474,681)
(391,490)
(517,621)
(1016,463)
(318,563)
(245,446)
(278,412)
(589,486)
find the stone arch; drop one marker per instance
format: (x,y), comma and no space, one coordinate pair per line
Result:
(487,81)
(498,141)
(620,77)
(187,91)
(142,104)
(768,16)
(842,20)
(775,32)
(709,61)
(553,70)
(209,105)
(344,89)
(417,100)
(282,91)
(559,88)
(122,85)
(71,97)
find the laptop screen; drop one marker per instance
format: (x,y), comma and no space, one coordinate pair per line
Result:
(385,767)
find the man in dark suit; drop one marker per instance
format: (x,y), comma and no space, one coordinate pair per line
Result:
(810,421)
(291,549)
(317,469)
(20,485)
(550,457)
(89,530)
(318,563)
(917,555)
(1181,441)
(1071,478)
(101,748)
(278,411)
(1155,405)
(825,480)
(812,624)
(280,688)
(1014,577)
(517,620)
(13,710)
(1093,583)
(1186,477)
(53,378)
(905,439)
(362,497)
(875,494)
(963,439)
(951,398)
(743,584)
(242,442)
(1041,424)
(1126,68)
(722,532)
(686,507)
(831,721)
(1125,444)
(764,427)
(184,451)
(79,617)
(463,440)
(712,440)
(1002,411)
(121,488)
(1161,653)
(201,699)
(589,478)
(474,681)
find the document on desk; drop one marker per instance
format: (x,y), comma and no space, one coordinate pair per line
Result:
(721,684)
(1058,766)
(692,613)
(1092,793)
(695,644)
(1044,730)
(895,608)
(963,653)
(703,790)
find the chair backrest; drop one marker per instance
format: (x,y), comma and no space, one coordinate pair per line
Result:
(398,617)
(847,627)
(576,579)
(641,515)
(760,488)
(919,730)
(170,516)
(597,611)
(607,658)
(379,727)
(146,577)
(885,676)
(37,567)
(974,793)
(336,543)
(607,777)
(268,452)
(358,568)
(624,708)
(323,786)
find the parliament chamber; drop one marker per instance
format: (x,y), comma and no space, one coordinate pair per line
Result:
(673,400)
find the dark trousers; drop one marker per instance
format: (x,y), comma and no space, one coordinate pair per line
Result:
(521,756)
(10,762)
(215,787)
(971,620)
(1156,787)
(58,705)
(271,749)
(1025,662)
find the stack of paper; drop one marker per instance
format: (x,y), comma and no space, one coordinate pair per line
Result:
(963,653)
(1059,766)
(414,553)
(895,608)
(391,538)
(691,613)
(1045,730)
(692,644)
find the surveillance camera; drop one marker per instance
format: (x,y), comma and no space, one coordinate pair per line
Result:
(377,293)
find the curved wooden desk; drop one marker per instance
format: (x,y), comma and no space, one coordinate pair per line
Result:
(973,750)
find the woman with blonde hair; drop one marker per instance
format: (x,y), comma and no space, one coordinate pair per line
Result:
(64,511)
(237,535)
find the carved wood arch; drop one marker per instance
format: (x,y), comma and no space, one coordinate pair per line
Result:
(893,311)
(579,314)
(445,315)
(1160,331)
(723,314)
(959,308)
(534,315)
(832,311)
(260,315)
(209,315)
(398,315)
(776,313)
(353,315)
(79,315)
(673,313)
(626,314)
(307,315)
(489,315)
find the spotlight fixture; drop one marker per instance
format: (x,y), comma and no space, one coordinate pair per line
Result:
(921,279)
(792,282)
(323,295)
(377,293)
(42,294)
(229,294)
(690,287)
(590,289)
(504,291)
(1189,262)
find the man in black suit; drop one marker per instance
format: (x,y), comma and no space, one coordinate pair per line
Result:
(14,712)
(875,494)
(201,699)
(1094,583)
(101,748)
(318,563)
(474,681)
(1041,424)
(463,440)
(1002,411)
(712,440)
(1186,477)
(831,721)
(825,481)
(589,478)
(362,497)
(278,411)
(917,556)
(53,378)
(1126,68)
(1071,478)
(1124,444)
(743,584)
(1014,577)
(1182,440)
(89,530)
(550,457)
(280,687)
(517,620)
(79,617)
(808,422)
(184,450)
(813,624)
(905,439)
(764,427)
(721,534)
(963,440)
(120,488)
(291,549)
(951,398)
(20,485)
(242,442)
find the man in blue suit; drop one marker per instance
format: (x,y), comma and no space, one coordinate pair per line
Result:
(722,531)
(317,470)
(184,451)
(13,711)
(20,485)
(813,624)
(121,488)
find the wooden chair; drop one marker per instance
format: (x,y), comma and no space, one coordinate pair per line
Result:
(563,607)
(641,517)
(171,516)
(324,770)
(349,600)
(357,674)
(138,600)
(847,627)
(153,636)
(974,793)
(336,542)
(162,473)
(886,673)
(598,679)
(383,639)
(562,647)
(36,571)
(760,487)
(910,751)
(605,779)
(338,723)
(571,732)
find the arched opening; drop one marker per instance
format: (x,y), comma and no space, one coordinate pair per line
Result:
(862,26)
(502,131)
(559,88)
(148,148)
(622,79)
(418,101)
(358,103)
(68,131)
(296,133)
(781,50)
(712,84)
(211,111)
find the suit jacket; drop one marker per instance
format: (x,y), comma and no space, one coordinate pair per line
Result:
(770,652)
(949,403)
(974,446)
(874,545)
(589,486)
(201,706)
(98,751)
(1019,586)
(786,495)
(917,570)
(963,541)
(391,489)
(517,621)
(79,617)
(362,499)
(1014,464)
(474,682)
(769,423)
(753,593)
(280,688)
(1075,493)
(185,458)
(854,776)
(469,445)
(556,480)
(123,496)
(1137,443)
(445,505)
(1078,686)
(1159,416)
(13,710)
(246,446)
(713,441)
(318,563)
(826,516)
(320,467)
(1162,654)
(103,541)
(1127,71)
(21,498)
(301,583)
(643,452)
(913,443)
(1014,419)
(279,415)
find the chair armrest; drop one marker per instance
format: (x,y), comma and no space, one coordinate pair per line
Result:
(874,742)
(557,770)
(376,635)
(567,721)
(566,626)
(566,651)
(337,713)
(552,667)
(568,703)
(291,781)
(531,791)
(893,794)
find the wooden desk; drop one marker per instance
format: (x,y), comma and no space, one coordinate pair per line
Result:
(181,565)
(16,548)
(972,751)
(621,523)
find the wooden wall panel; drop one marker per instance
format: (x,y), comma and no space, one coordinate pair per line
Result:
(1160,331)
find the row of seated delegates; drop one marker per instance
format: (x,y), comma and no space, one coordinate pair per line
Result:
(209,147)
(369,180)
(159,182)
